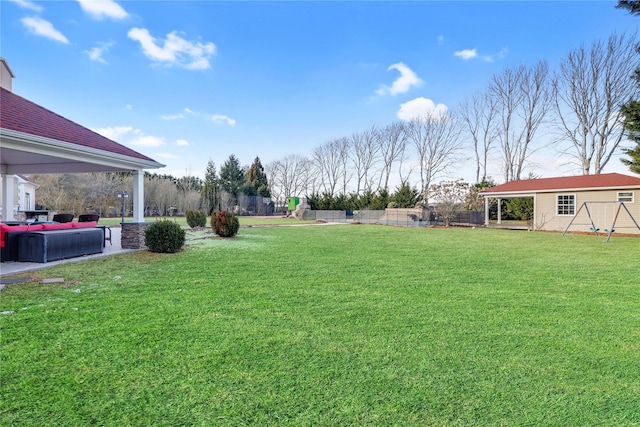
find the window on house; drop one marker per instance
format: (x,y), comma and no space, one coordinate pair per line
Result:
(566,204)
(625,196)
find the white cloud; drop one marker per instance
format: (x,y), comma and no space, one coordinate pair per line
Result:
(147,141)
(96,52)
(440,39)
(128,107)
(466,54)
(174,50)
(403,83)
(222,119)
(172,116)
(114,133)
(182,142)
(129,136)
(26,4)
(43,28)
(100,9)
(420,107)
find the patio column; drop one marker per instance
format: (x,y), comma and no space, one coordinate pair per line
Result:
(138,196)
(8,190)
(486,211)
(499,211)
(133,232)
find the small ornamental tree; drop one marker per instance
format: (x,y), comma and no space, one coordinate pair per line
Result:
(449,197)
(164,236)
(225,224)
(196,219)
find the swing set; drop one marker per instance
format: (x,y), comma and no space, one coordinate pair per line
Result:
(592,225)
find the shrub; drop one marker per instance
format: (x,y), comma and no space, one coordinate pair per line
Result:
(196,219)
(164,236)
(225,224)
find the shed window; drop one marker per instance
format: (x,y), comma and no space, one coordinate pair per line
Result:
(625,196)
(566,204)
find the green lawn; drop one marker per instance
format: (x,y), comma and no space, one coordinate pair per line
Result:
(337,325)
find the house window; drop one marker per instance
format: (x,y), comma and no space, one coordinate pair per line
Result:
(625,196)
(566,204)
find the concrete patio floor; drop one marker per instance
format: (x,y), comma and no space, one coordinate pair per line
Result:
(11,267)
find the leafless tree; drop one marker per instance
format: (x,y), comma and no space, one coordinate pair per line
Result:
(160,193)
(327,160)
(287,177)
(436,139)
(478,113)
(589,88)
(522,98)
(393,140)
(364,156)
(343,145)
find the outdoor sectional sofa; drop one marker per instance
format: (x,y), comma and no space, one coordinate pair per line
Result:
(48,242)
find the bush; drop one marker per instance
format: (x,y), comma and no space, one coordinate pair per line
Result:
(225,224)
(164,236)
(196,219)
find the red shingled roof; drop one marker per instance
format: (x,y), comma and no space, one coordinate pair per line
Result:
(601,181)
(20,115)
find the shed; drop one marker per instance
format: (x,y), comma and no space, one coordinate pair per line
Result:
(557,200)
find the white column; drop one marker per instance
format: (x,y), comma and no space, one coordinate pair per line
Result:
(499,211)
(138,196)
(486,211)
(8,190)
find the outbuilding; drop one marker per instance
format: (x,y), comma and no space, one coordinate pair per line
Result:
(593,202)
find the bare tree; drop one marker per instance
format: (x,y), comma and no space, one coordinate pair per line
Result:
(343,145)
(436,139)
(536,101)
(589,88)
(364,156)
(522,98)
(393,140)
(287,177)
(478,113)
(327,160)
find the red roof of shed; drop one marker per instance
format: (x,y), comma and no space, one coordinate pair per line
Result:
(605,180)
(21,115)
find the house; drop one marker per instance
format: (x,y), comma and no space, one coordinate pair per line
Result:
(34,139)
(557,201)
(24,194)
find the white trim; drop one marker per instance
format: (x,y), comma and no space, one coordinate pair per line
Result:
(575,204)
(506,194)
(70,152)
(633,196)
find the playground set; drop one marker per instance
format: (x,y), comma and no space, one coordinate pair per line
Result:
(598,214)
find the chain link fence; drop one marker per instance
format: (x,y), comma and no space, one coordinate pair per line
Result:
(397,217)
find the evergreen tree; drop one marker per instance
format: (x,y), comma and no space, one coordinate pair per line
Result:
(232,177)
(406,196)
(631,110)
(633,6)
(257,179)
(211,188)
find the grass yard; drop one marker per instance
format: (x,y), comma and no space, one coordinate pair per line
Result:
(337,325)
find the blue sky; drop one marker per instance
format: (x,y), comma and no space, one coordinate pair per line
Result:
(188,81)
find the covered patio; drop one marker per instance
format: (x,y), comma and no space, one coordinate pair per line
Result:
(34,139)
